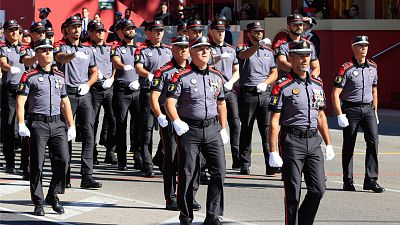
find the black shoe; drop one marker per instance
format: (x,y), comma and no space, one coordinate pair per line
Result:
(184,223)
(68,185)
(204,180)
(11,170)
(196,206)
(54,201)
(138,165)
(172,205)
(244,170)
(111,159)
(38,211)
(212,221)
(371,184)
(236,166)
(90,182)
(270,171)
(25,175)
(148,171)
(122,167)
(348,186)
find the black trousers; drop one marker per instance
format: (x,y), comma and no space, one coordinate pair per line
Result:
(147,125)
(124,101)
(302,156)
(54,135)
(82,108)
(253,106)
(104,98)
(207,140)
(234,124)
(360,116)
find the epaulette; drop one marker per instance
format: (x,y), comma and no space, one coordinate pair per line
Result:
(166,46)
(213,69)
(279,43)
(2,43)
(241,46)
(86,44)
(24,47)
(317,80)
(140,43)
(372,63)
(178,74)
(164,68)
(230,45)
(27,74)
(58,72)
(60,42)
(281,83)
(139,48)
(345,67)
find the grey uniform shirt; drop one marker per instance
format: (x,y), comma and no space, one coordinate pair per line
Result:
(298,100)
(77,70)
(152,59)
(27,50)
(255,69)
(102,54)
(357,81)
(162,78)
(12,53)
(197,92)
(224,65)
(127,55)
(44,91)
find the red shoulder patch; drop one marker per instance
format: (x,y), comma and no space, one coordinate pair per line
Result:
(280,83)
(215,71)
(344,67)
(372,63)
(58,72)
(317,80)
(176,76)
(87,44)
(25,47)
(27,74)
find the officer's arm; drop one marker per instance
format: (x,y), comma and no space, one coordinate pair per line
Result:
(221,108)
(21,99)
(116,60)
(67,111)
(113,73)
(140,70)
(235,74)
(315,68)
(272,76)
(28,61)
(274,131)
(63,57)
(94,75)
(248,52)
(4,65)
(375,97)
(155,106)
(170,108)
(336,100)
(323,127)
(283,64)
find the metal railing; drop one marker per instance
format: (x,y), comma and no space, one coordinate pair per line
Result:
(385,50)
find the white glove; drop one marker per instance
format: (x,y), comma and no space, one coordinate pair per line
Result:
(228,86)
(377,119)
(262,87)
(265,41)
(23,131)
(81,55)
(71,133)
(342,120)
(128,67)
(83,89)
(15,70)
(107,83)
(134,85)
(162,120)
(100,74)
(180,127)
(329,153)
(150,76)
(225,136)
(275,159)
(226,55)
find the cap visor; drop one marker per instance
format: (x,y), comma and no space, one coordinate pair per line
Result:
(158,28)
(196,28)
(75,23)
(300,51)
(39,30)
(257,29)
(297,22)
(44,46)
(180,43)
(218,28)
(13,26)
(199,45)
(360,42)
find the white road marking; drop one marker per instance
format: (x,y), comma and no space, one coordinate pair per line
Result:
(42,218)
(13,187)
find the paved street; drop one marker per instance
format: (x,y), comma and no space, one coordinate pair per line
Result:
(128,198)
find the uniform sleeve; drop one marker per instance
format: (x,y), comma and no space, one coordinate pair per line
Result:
(275,103)
(3,53)
(23,87)
(281,50)
(63,90)
(235,59)
(241,48)
(24,52)
(313,56)
(92,62)
(340,79)
(139,57)
(158,82)
(221,95)
(174,88)
(375,81)
(272,64)
(59,49)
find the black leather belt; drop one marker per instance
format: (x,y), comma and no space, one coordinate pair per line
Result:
(72,90)
(355,104)
(200,123)
(299,132)
(43,118)
(253,89)
(123,86)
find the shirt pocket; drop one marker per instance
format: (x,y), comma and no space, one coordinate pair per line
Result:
(195,92)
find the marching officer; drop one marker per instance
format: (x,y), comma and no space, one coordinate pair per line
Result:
(102,91)
(149,57)
(12,71)
(126,91)
(229,67)
(257,72)
(297,104)
(194,29)
(37,32)
(181,29)
(195,103)
(44,89)
(73,58)
(356,87)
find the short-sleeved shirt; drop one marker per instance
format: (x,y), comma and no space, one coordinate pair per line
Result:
(44,91)
(12,53)
(162,78)
(102,54)
(224,65)
(127,55)
(357,81)
(27,50)
(77,70)
(197,92)
(256,68)
(298,100)
(152,58)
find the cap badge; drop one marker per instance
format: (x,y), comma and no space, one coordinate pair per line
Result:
(295,91)
(193,81)
(355,73)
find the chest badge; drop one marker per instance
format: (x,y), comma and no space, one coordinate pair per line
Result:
(123,51)
(8,50)
(214,52)
(58,83)
(94,50)
(295,91)
(193,81)
(40,79)
(69,51)
(150,54)
(355,73)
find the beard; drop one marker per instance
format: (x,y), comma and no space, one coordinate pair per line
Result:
(129,36)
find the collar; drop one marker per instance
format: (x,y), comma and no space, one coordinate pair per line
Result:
(365,64)
(197,70)
(96,45)
(213,44)
(251,44)
(69,43)
(176,65)
(148,42)
(42,71)
(9,44)
(300,80)
(126,44)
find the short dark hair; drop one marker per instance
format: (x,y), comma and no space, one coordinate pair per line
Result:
(355,6)
(128,9)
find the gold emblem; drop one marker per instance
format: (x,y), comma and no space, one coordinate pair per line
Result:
(295,91)
(338,79)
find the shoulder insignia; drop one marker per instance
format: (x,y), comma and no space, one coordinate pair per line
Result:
(27,74)
(281,83)
(372,63)
(58,72)
(178,74)
(344,67)
(317,79)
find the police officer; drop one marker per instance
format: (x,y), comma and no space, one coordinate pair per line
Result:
(149,57)
(229,67)
(295,26)
(356,87)
(257,72)
(181,29)
(126,91)
(73,58)
(310,35)
(43,14)
(12,71)
(297,103)
(44,89)
(50,34)
(37,32)
(194,29)
(102,91)
(195,103)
